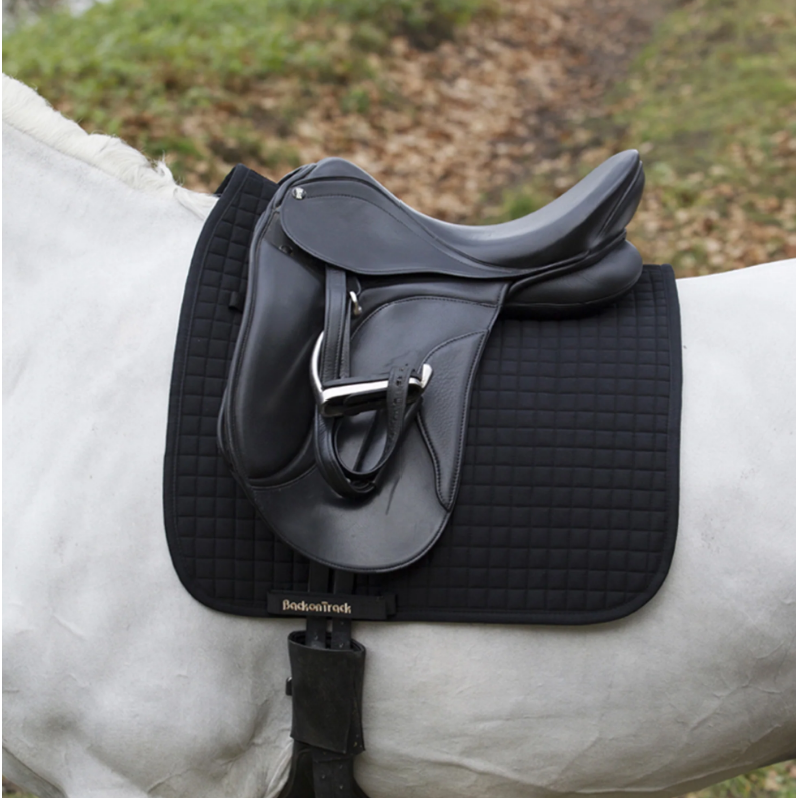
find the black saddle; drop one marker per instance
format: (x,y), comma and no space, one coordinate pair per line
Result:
(347,400)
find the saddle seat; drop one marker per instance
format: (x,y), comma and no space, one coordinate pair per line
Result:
(346,405)
(395,239)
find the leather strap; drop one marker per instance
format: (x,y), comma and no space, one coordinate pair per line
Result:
(316,776)
(326,701)
(342,627)
(334,366)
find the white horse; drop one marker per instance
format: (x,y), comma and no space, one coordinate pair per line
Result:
(118,683)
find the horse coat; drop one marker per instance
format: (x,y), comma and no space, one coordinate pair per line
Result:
(118,683)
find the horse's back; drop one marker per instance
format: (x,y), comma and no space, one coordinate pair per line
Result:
(738,418)
(115,670)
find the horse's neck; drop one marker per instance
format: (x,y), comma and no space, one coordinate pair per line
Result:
(65,220)
(94,274)
(86,256)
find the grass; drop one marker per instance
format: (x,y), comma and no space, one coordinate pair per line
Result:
(173,75)
(710,103)
(771,782)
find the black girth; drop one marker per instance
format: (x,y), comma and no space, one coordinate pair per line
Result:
(326,689)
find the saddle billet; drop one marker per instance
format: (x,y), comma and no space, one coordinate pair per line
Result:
(347,401)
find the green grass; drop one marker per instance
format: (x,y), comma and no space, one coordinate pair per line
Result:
(156,48)
(711,95)
(141,68)
(718,71)
(710,103)
(772,782)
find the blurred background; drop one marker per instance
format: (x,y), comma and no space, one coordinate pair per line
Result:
(469,110)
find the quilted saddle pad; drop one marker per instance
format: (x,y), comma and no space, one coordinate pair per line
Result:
(568,503)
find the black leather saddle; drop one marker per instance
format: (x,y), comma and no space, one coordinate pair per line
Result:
(347,400)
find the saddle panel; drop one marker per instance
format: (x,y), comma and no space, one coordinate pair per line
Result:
(580,292)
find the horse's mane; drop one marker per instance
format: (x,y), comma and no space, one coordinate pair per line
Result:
(30,113)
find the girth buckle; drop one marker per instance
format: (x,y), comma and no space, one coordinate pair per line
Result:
(351,397)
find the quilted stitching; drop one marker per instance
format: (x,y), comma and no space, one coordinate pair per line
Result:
(569,492)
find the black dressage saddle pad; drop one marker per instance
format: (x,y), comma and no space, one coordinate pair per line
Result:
(568,504)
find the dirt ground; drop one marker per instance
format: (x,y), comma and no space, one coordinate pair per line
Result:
(474,115)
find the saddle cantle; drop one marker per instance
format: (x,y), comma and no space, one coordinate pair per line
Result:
(347,399)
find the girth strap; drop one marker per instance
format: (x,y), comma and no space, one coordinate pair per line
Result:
(326,689)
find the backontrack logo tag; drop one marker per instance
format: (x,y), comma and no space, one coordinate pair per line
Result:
(323,606)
